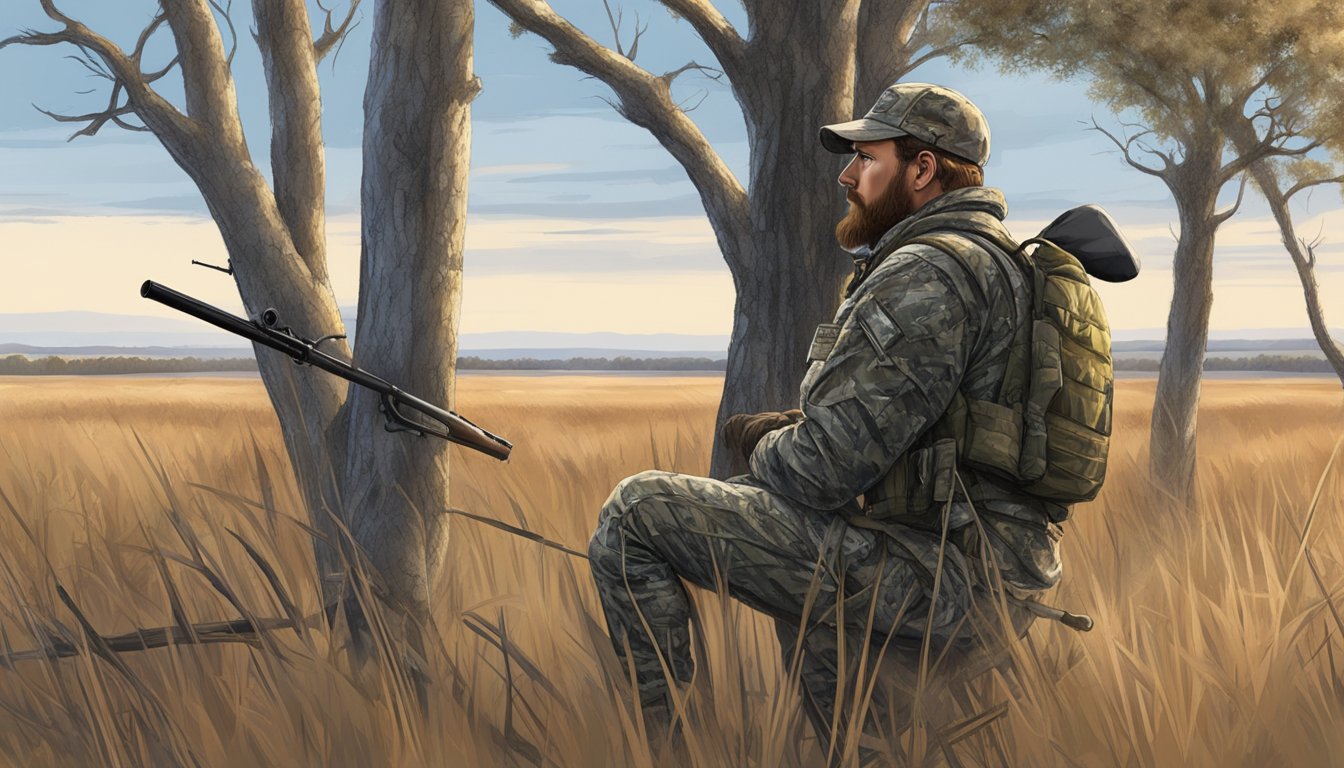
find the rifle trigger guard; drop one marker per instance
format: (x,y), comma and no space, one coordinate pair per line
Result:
(328,337)
(396,422)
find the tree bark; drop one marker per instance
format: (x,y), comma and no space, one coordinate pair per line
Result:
(1195,186)
(417,140)
(885,47)
(787,269)
(1267,179)
(298,164)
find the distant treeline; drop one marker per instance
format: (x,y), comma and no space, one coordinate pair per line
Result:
(622,363)
(1278,363)
(19,365)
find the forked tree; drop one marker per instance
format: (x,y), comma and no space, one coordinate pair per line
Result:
(800,64)
(1219,87)
(386,489)
(1279,182)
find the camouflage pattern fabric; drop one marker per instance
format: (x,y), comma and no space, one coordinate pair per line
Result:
(778,557)
(935,115)
(788,539)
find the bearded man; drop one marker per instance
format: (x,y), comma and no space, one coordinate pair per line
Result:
(858,525)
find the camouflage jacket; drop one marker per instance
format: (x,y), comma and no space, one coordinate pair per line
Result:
(918,327)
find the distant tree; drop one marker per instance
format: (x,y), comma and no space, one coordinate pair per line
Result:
(52,365)
(1279,183)
(388,488)
(803,63)
(1190,69)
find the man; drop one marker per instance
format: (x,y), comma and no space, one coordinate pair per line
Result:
(857,527)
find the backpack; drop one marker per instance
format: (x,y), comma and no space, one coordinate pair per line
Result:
(1048,432)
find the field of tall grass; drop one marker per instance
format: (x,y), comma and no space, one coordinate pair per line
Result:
(1218,640)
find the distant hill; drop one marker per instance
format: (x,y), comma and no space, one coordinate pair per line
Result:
(202,353)
(94,334)
(71,330)
(1122,349)
(566,353)
(1228,345)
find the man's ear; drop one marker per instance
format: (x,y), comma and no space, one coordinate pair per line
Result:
(926,168)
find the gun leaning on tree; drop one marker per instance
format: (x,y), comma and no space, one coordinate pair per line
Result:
(266,330)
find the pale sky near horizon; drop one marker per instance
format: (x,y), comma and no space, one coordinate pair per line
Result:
(578,221)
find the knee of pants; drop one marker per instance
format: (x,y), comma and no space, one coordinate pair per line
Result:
(616,511)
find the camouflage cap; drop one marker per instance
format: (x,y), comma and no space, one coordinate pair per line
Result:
(931,113)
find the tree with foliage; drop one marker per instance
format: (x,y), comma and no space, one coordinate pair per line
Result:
(386,490)
(801,64)
(1190,70)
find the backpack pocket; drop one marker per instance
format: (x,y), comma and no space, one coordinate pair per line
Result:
(1047,378)
(993,436)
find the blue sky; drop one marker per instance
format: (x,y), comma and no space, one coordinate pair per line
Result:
(579,221)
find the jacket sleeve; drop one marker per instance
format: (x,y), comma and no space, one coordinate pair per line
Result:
(896,364)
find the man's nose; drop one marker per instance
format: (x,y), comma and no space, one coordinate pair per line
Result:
(848,179)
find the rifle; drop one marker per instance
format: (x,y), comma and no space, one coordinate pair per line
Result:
(266,331)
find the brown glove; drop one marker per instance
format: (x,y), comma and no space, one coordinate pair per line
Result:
(742,431)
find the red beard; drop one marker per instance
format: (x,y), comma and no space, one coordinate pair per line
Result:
(864,224)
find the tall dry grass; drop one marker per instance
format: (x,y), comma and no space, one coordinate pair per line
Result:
(1218,638)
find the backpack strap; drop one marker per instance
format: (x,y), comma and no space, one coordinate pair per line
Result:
(986,432)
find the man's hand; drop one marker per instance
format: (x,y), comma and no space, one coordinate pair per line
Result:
(742,431)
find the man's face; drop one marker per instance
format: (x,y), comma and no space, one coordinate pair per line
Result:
(878,191)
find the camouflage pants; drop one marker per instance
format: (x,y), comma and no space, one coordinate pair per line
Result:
(659,528)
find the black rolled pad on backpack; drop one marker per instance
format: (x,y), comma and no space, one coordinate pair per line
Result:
(1091,235)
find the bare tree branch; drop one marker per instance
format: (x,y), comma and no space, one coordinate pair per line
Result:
(645,99)
(226,11)
(333,36)
(1269,146)
(154,25)
(617,19)
(1250,91)
(1310,183)
(105,59)
(95,67)
(120,123)
(1125,149)
(158,74)
(687,107)
(1220,217)
(95,120)
(934,53)
(206,79)
(206,633)
(718,34)
(712,73)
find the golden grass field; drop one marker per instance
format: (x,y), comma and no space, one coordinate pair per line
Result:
(1219,638)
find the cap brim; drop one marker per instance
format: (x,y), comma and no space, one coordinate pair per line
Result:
(840,137)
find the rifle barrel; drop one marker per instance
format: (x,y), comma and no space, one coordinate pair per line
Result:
(458,429)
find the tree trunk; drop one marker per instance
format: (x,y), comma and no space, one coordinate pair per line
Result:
(307,402)
(269,269)
(787,268)
(1303,259)
(1175,408)
(389,490)
(417,139)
